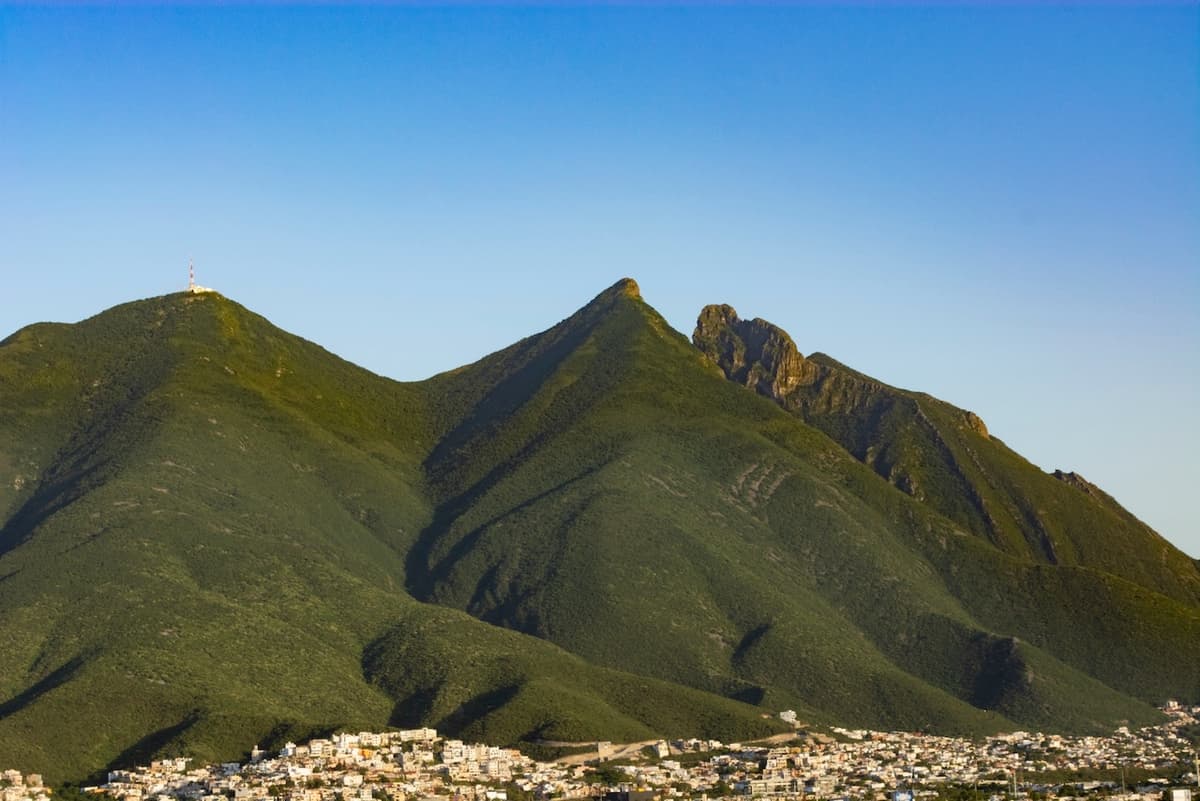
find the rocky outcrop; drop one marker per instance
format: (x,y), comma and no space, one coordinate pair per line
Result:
(1080,483)
(753,352)
(975,423)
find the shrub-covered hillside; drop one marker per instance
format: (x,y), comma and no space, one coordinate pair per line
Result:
(214,533)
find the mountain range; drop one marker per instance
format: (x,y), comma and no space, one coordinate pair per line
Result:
(216,533)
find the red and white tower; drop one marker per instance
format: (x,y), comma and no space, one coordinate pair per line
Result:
(193,287)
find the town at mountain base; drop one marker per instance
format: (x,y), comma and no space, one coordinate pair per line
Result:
(216,533)
(1146,764)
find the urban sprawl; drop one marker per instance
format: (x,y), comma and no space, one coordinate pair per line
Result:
(417,764)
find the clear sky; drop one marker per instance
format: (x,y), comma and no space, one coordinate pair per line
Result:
(1000,206)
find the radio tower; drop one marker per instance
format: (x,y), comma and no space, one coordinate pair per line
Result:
(193,287)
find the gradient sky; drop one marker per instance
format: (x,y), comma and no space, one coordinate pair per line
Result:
(998,206)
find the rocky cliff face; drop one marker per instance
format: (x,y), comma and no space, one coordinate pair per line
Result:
(753,352)
(764,357)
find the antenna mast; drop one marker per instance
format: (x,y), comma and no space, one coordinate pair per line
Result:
(191,276)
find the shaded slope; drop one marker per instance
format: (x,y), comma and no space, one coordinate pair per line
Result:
(449,670)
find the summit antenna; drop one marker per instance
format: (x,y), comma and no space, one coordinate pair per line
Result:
(193,287)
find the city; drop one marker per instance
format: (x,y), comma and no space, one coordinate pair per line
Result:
(839,763)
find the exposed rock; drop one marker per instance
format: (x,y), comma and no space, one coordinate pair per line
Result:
(1081,483)
(627,287)
(753,352)
(975,423)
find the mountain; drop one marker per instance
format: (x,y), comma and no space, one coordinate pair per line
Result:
(216,533)
(945,457)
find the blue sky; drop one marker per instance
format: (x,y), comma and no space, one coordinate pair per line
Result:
(998,206)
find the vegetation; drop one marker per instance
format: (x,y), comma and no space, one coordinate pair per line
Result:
(1044,548)
(215,533)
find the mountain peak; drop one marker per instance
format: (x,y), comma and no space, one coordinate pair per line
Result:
(609,299)
(626,287)
(715,317)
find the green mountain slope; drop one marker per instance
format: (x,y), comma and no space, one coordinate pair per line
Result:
(214,533)
(449,670)
(1057,548)
(630,487)
(209,535)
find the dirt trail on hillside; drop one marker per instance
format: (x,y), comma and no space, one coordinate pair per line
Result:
(632,750)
